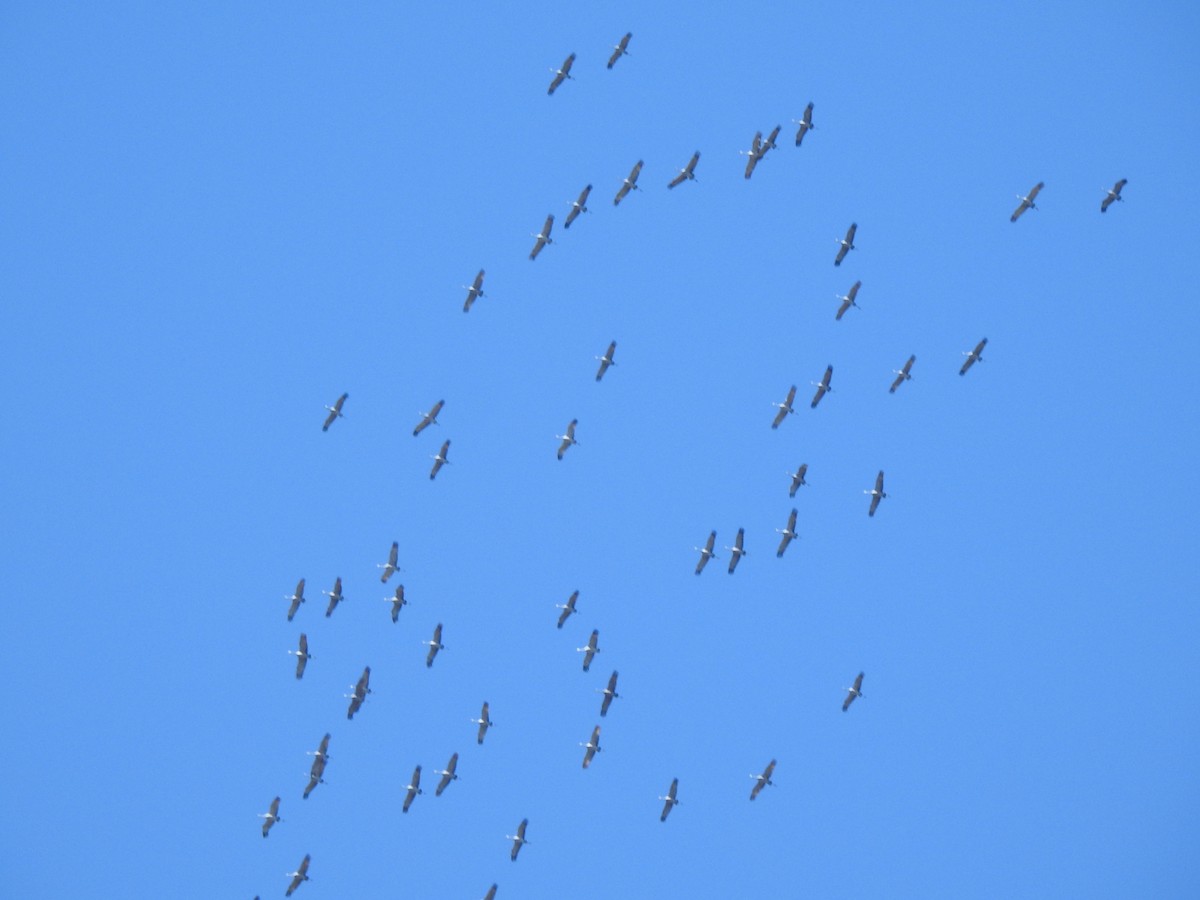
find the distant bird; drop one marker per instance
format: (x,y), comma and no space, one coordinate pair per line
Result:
(518,839)
(335,412)
(876,493)
(737,550)
(398,602)
(848,300)
(855,691)
(270,817)
(542,238)
(302,655)
(562,73)
(822,386)
(610,694)
(761,781)
(335,596)
(413,788)
(590,650)
(619,49)
(1113,195)
(973,357)
(300,875)
(567,439)
(785,408)
(754,154)
(706,552)
(1027,201)
(903,374)
(670,800)
(360,693)
(568,609)
(297,597)
(484,722)
(579,206)
(317,772)
(629,184)
(687,173)
(846,243)
(806,124)
(491,894)
(448,774)
(430,418)
(440,460)
(474,291)
(592,747)
(606,360)
(788,533)
(798,479)
(769,143)
(434,646)
(390,567)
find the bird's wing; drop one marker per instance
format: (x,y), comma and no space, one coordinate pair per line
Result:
(329,419)
(571,429)
(842,309)
(1036,190)
(548,225)
(751,162)
(899,380)
(783,543)
(879,481)
(702,563)
(841,254)
(677,180)
(635,172)
(874,504)
(850,232)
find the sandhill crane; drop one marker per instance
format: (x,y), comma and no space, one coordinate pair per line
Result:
(474,291)
(413,788)
(562,73)
(822,386)
(876,493)
(270,817)
(360,693)
(737,551)
(853,692)
(761,781)
(491,894)
(302,655)
(606,360)
(670,799)
(568,609)
(448,774)
(973,356)
(754,154)
(846,244)
(1113,195)
(903,374)
(397,601)
(518,839)
(297,597)
(610,694)
(788,533)
(785,408)
(430,418)
(484,722)
(335,596)
(687,173)
(440,460)
(706,552)
(577,207)
(592,747)
(300,875)
(389,567)
(542,238)
(317,772)
(629,184)
(798,479)
(1027,201)
(434,646)
(848,300)
(619,49)
(769,143)
(335,412)
(590,650)
(567,439)
(806,124)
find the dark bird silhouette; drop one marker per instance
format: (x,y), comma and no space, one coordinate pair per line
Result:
(1027,201)
(335,412)
(619,49)
(1113,195)
(903,374)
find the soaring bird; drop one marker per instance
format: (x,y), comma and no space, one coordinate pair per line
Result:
(360,693)
(973,357)
(567,439)
(430,418)
(785,408)
(448,774)
(606,360)
(853,692)
(413,788)
(335,412)
(670,800)
(876,493)
(846,244)
(769,143)
(397,601)
(687,173)
(484,722)
(434,646)
(788,533)
(317,772)
(300,875)
(297,597)
(806,124)
(736,550)
(518,839)
(619,49)
(390,567)
(592,747)
(798,479)
(335,596)
(610,694)
(1027,201)
(542,238)
(706,552)
(629,184)
(903,374)
(590,650)
(848,300)
(568,609)
(579,206)
(270,817)
(440,460)
(754,154)
(562,73)
(1113,195)
(822,387)
(761,781)
(302,655)
(474,291)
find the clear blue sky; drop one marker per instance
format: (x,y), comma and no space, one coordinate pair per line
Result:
(220,216)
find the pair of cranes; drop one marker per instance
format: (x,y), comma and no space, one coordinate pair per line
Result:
(563,73)
(786,408)
(1111,195)
(737,551)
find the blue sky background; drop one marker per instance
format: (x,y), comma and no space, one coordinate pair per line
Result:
(220,216)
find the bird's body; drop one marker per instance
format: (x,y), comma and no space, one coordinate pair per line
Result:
(568,609)
(448,774)
(300,875)
(590,650)
(542,238)
(567,439)
(474,291)
(876,493)
(737,551)
(1027,201)
(1113,195)
(398,602)
(822,386)
(785,408)
(317,771)
(789,534)
(361,689)
(687,173)
(296,598)
(848,300)
(430,418)
(302,655)
(270,817)
(903,374)
(670,800)
(798,479)
(440,460)
(629,184)
(484,722)
(606,360)
(335,412)
(846,244)
(434,646)
(335,596)
(805,123)
(412,789)
(619,49)
(761,781)
(973,356)
(706,552)
(592,747)
(518,839)
(562,73)
(610,694)
(854,692)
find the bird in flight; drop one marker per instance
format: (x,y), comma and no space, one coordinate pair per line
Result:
(335,412)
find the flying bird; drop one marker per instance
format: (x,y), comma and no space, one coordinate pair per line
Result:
(619,49)
(335,596)
(798,479)
(270,817)
(785,408)
(397,601)
(568,609)
(687,173)
(474,291)
(590,650)
(335,412)
(1113,195)
(761,781)
(297,598)
(579,206)
(822,387)
(736,550)
(430,418)
(518,839)
(903,374)
(606,360)
(846,244)
(542,238)
(788,533)
(390,567)
(448,774)
(484,722)
(592,747)
(300,875)
(629,184)
(610,694)
(754,154)
(805,123)
(1027,201)
(302,655)
(413,788)
(434,646)
(670,799)
(848,300)
(973,357)
(706,552)
(360,693)
(855,691)
(769,143)
(562,73)
(440,460)
(567,439)
(876,493)
(317,772)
